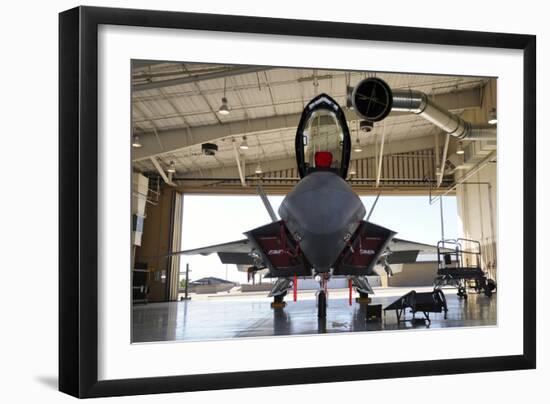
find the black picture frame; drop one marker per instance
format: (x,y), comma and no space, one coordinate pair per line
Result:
(78,206)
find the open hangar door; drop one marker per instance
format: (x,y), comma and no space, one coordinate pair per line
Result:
(157,213)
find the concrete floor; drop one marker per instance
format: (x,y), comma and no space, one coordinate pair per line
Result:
(224,316)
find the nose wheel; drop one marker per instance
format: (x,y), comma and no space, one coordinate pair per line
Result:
(322,304)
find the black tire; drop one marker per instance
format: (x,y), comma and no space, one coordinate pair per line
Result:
(279,298)
(322,305)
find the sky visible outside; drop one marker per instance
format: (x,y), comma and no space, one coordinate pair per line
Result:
(214,219)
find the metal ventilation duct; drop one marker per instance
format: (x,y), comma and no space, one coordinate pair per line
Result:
(418,103)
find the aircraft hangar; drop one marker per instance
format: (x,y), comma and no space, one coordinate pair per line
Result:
(213,131)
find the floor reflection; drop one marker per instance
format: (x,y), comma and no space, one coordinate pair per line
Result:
(281,322)
(210,320)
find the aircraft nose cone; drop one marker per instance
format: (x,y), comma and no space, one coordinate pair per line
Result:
(322,251)
(321,211)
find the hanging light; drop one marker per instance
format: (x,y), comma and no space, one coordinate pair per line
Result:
(135,142)
(492,116)
(172,167)
(244,144)
(459,149)
(258,169)
(352,169)
(357,147)
(224,108)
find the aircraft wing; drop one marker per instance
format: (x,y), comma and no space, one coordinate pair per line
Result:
(234,252)
(405,251)
(397,244)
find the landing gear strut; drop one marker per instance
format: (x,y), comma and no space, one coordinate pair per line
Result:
(278,301)
(462,292)
(363,298)
(322,297)
(321,304)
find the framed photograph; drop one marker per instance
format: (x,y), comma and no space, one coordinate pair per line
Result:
(251,201)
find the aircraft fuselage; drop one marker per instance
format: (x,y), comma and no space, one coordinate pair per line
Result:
(322,213)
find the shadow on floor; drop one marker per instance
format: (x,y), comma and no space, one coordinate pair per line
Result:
(48,381)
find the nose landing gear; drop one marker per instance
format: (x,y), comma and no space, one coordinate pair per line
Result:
(322,304)
(322,297)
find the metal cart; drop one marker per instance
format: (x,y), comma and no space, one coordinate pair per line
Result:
(459,265)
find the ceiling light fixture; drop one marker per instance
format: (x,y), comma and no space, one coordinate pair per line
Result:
(224,108)
(244,144)
(135,142)
(258,169)
(352,171)
(459,149)
(492,116)
(172,167)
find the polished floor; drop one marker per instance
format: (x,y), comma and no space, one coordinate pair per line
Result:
(232,316)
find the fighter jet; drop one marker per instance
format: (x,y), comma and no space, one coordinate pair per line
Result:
(322,231)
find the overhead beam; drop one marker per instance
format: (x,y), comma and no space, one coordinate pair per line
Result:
(361,190)
(175,139)
(457,100)
(162,172)
(443,160)
(460,99)
(381,154)
(238,161)
(138,64)
(198,77)
(231,171)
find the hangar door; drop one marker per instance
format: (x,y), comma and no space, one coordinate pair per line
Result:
(161,236)
(175,244)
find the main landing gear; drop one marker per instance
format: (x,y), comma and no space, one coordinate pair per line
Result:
(278,292)
(462,292)
(278,301)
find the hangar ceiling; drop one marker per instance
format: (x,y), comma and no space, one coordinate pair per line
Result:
(175,110)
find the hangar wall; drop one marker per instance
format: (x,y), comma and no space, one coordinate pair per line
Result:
(477,194)
(476,202)
(162,222)
(417,274)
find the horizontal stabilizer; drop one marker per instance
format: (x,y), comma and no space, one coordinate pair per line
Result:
(239,246)
(236,258)
(403,257)
(397,244)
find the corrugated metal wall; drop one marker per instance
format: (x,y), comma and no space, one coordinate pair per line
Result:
(397,169)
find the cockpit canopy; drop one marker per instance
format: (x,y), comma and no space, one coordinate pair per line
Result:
(322,138)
